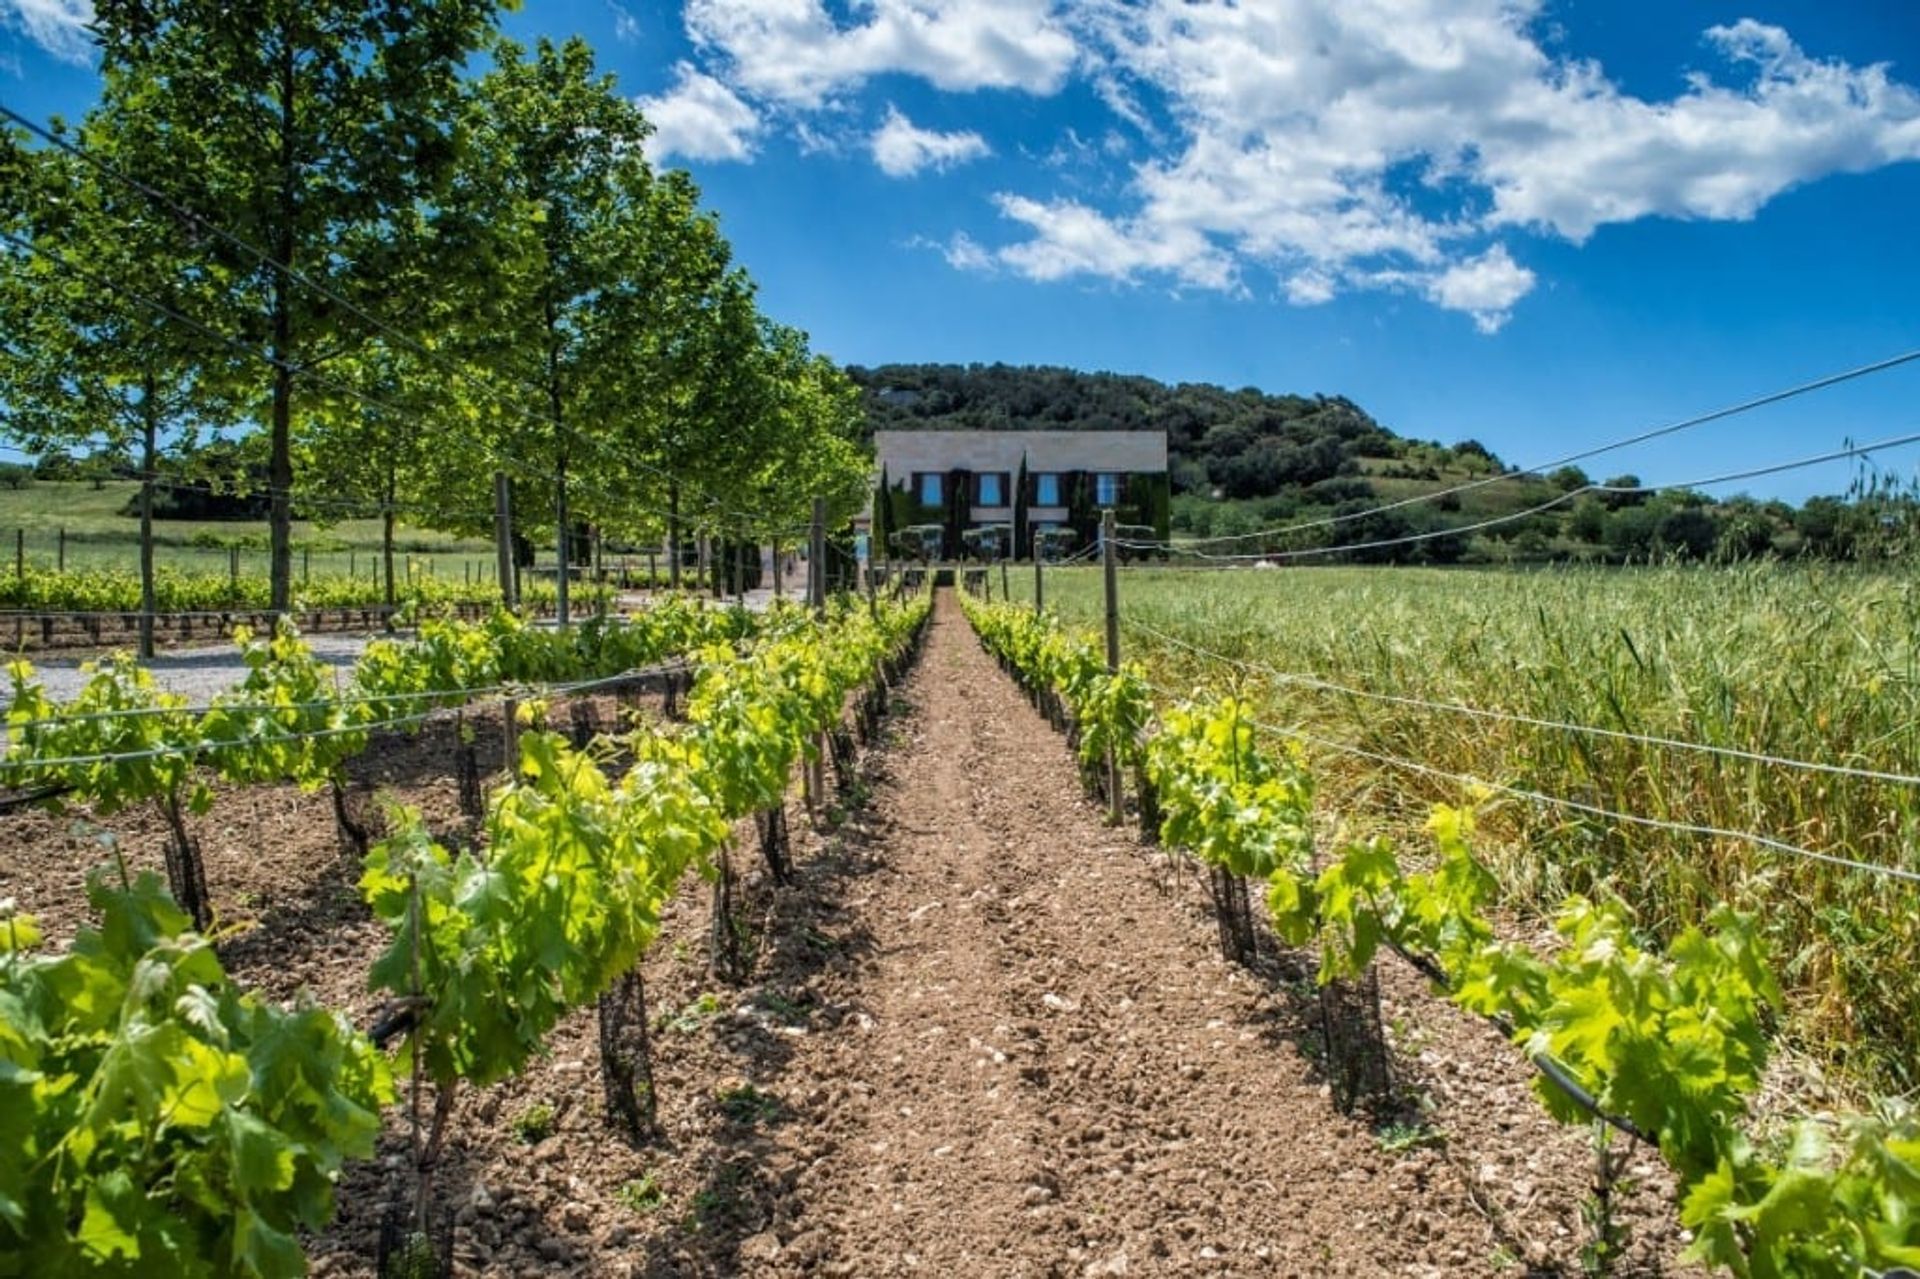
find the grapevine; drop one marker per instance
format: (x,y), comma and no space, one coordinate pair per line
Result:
(1671,1045)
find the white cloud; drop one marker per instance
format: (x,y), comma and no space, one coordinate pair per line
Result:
(1485,287)
(1350,144)
(626,27)
(963,253)
(795,53)
(700,118)
(1069,239)
(902,149)
(58,26)
(1339,145)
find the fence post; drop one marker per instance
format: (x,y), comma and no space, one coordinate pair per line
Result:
(1109,563)
(60,563)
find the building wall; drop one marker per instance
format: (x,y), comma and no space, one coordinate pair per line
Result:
(1076,457)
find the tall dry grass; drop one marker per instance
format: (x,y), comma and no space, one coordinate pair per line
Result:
(1813,663)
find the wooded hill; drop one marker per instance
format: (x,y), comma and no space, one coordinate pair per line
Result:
(1245,460)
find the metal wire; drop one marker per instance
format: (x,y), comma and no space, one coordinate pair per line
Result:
(517,692)
(1556,801)
(1509,717)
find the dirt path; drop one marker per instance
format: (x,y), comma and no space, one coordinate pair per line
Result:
(1047,1070)
(985,1034)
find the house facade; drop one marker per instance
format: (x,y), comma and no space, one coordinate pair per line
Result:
(983,494)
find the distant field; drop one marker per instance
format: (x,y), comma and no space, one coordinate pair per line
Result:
(99,536)
(1804,663)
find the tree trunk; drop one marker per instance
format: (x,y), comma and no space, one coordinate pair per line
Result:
(280,444)
(561,548)
(555,405)
(673,535)
(386,542)
(149,462)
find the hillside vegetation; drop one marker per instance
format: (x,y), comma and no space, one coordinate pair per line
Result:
(1246,460)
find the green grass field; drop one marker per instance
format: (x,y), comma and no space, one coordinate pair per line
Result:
(98,535)
(1805,663)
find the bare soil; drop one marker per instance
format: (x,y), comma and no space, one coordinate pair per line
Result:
(985,1034)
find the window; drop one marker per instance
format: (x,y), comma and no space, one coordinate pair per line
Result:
(992,489)
(927,486)
(1046,489)
(1106,489)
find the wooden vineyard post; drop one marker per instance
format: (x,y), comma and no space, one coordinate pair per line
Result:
(233,573)
(1039,590)
(1109,562)
(60,556)
(1006,593)
(20,553)
(503,536)
(817,598)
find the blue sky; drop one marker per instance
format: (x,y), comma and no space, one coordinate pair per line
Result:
(1540,223)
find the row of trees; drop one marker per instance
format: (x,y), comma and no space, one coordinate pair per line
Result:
(409,254)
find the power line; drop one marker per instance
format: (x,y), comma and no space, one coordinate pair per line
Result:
(1685,424)
(1859,450)
(1574,805)
(1476,712)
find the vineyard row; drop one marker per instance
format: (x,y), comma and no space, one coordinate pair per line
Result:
(160,1119)
(1669,1045)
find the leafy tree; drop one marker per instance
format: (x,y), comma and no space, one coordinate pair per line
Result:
(301,127)
(550,195)
(103,352)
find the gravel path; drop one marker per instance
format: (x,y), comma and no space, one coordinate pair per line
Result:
(201,673)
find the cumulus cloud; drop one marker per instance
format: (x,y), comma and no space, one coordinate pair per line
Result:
(700,118)
(1333,145)
(796,53)
(1349,144)
(1070,238)
(1485,287)
(902,149)
(58,26)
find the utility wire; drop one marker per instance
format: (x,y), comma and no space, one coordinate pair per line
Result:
(1858,450)
(1673,428)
